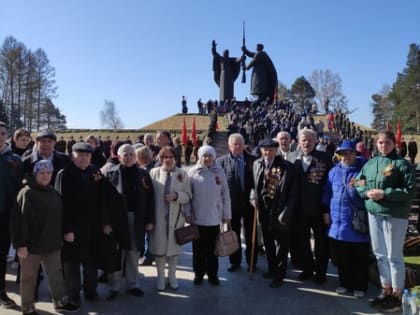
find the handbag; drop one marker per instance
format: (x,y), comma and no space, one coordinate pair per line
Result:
(360,220)
(226,242)
(187,233)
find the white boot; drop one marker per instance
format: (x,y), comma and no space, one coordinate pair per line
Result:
(160,266)
(172,262)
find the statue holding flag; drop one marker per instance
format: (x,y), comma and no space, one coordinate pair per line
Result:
(226,70)
(264,74)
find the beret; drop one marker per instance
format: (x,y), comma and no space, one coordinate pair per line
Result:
(268,143)
(82,147)
(46,134)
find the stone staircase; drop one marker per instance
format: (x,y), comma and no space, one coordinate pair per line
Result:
(220,143)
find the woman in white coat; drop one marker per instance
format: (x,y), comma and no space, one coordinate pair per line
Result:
(172,191)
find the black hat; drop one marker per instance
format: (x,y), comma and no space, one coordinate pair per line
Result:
(82,147)
(46,134)
(268,143)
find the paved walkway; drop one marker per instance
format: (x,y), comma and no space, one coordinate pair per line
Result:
(237,294)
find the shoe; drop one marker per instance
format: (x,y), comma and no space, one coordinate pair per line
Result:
(267,275)
(68,307)
(233,268)
(319,279)
(91,295)
(5,301)
(112,295)
(359,293)
(198,280)
(136,292)
(374,302)
(147,262)
(341,290)
(276,283)
(214,280)
(103,278)
(305,276)
(390,304)
(31,313)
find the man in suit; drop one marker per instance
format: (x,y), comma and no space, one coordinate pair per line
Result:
(312,169)
(237,165)
(284,139)
(275,196)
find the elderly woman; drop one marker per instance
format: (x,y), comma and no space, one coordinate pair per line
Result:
(172,191)
(210,207)
(351,247)
(37,236)
(387,184)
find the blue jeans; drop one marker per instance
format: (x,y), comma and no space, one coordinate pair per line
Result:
(387,236)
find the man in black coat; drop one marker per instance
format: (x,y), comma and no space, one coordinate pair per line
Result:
(136,197)
(412,150)
(45,144)
(237,165)
(275,195)
(312,169)
(81,187)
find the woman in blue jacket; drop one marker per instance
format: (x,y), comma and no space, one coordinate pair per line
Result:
(350,247)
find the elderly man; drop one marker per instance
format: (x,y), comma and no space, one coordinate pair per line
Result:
(81,187)
(135,197)
(312,168)
(11,172)
(45,149)
(237,165)
(275,195)
(284,139)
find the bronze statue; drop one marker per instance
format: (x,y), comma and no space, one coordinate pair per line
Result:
(226,70)
(264,74)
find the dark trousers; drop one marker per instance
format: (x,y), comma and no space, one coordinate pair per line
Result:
(276,245)
(247,215)
(302,242)
(352,261)
(73,282)
(4,248)
(204,259)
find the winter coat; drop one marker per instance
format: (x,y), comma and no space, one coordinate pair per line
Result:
(162,237)
(37,221)
(59,160)
(11,173)
(83,204)
(341,197)
(210,202)
(396,177)
(144,212)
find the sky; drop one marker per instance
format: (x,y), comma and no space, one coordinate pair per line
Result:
(145,55)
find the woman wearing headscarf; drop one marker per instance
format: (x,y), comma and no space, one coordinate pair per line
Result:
(37,236)
(172,191)
(210,206)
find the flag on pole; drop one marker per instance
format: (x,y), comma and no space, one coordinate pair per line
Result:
(398,135)
(194,133)
(184,136)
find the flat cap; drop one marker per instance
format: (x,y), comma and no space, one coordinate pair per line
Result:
(268,143)
(82,147)
(46,134)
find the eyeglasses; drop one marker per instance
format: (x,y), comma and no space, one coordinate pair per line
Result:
(167,157)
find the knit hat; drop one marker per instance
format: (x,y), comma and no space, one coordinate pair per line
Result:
(206,149)
(43,164)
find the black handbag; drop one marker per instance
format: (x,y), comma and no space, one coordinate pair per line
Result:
(360,220)
(187,233)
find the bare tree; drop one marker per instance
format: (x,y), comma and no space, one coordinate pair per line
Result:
(328,90)
(109,116)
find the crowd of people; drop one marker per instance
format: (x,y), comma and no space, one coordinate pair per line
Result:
(79,207)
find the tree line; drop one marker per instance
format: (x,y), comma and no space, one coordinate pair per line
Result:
(401,101)
(27,88)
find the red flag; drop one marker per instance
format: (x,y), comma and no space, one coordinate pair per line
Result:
(194,133)
(389,126)
(398,135)
(184,136)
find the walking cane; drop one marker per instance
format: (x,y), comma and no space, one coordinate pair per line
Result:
(254,234)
